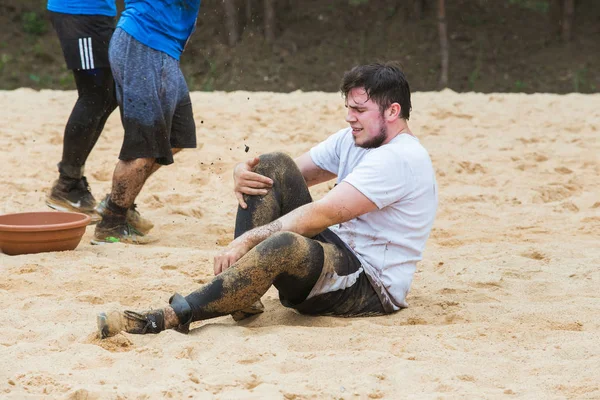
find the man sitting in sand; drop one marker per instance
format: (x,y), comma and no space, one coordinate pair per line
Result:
(351,253)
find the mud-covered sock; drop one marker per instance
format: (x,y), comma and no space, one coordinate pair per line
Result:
(114,208)
(114,215)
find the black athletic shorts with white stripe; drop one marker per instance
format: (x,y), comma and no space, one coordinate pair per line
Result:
(84,39)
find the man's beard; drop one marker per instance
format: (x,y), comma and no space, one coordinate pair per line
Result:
(375,141)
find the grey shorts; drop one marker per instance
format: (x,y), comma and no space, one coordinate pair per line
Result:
(153,97)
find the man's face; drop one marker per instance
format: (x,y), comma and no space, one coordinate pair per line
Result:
(365,119)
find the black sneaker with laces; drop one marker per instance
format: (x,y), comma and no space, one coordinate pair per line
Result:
(68,194)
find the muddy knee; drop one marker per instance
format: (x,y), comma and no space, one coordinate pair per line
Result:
(275,164)
(290,252)
(289,186)
(297,262)
(279,244)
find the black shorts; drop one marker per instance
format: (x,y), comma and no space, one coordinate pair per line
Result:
(343,289)
(84,39)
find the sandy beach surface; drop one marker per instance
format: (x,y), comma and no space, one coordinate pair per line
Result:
(505,303)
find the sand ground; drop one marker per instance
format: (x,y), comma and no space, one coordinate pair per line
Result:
(505,303)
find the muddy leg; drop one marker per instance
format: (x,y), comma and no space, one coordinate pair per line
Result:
(285,260)
(290,262)
(289,191)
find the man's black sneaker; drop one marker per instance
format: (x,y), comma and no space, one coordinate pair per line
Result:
(72,195)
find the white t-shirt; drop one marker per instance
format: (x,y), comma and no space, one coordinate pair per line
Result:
(399,178)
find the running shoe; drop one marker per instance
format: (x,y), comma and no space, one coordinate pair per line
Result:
(134,218)
(72,195)
(120,233)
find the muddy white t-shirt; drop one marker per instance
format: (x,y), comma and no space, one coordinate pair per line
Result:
(399,179)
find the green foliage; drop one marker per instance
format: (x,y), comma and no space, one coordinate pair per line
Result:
(475,74)
(33,23)
(66,79)
(520,86)
(209,81)
(541,6)
(474,20)
(4,60)
(35,78)
(580,80)
(362,45)
(357,2)
(391,11)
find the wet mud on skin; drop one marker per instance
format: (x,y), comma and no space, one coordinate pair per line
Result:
(128,180)
(290,261)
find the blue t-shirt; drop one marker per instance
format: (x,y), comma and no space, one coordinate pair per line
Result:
(164,25)
(84,7)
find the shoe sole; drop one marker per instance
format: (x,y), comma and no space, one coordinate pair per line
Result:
(99,242)
(101,322)
(64,208)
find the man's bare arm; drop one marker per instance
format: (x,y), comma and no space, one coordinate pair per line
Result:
(312,174)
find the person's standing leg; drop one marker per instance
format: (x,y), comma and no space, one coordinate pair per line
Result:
(93,107)
(95,103)
(129,175)
(179,121)
(139,223)
(146,82)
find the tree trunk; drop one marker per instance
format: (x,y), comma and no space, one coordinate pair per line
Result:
(444,52)
(231,22)
(248,12)
(555,14)
(418,9)
(567,19)
(270,20)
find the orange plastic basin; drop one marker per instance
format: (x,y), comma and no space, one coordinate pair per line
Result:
(38,232)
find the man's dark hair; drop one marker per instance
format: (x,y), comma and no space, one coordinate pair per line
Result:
(384,83)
